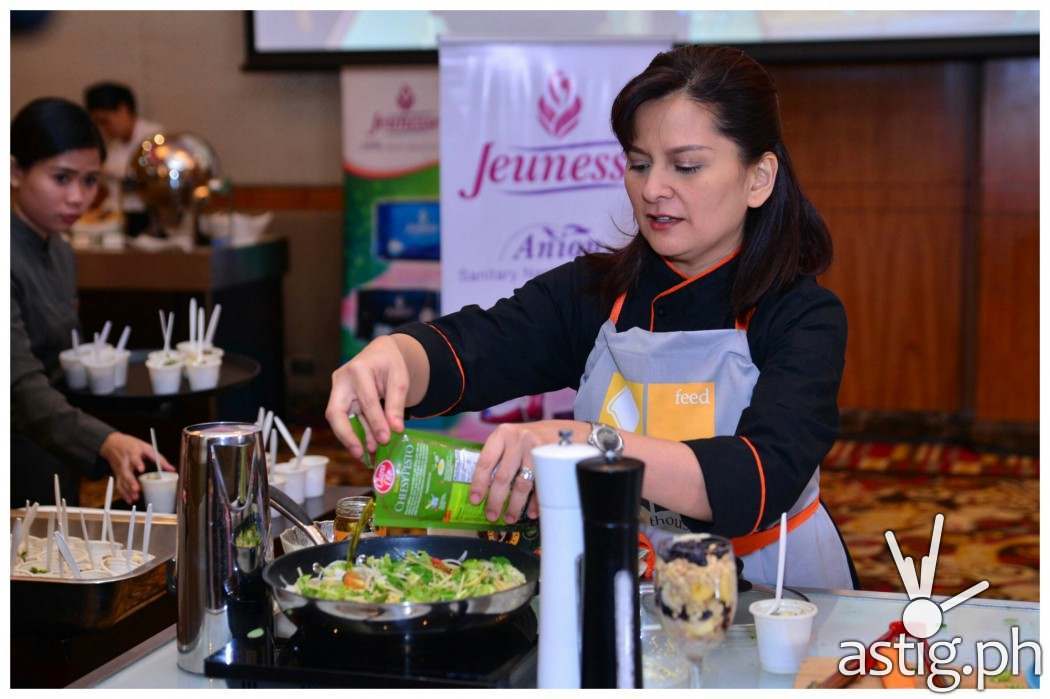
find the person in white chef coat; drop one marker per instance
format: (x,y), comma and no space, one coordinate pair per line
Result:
(113,109)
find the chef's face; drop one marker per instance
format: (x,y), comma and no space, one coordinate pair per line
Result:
(53,193)
(115,124)
(688,186)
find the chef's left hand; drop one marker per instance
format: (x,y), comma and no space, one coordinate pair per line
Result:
(506,452)
(126,456)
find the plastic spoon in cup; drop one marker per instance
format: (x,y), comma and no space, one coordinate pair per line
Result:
(165,329)
(123,341)
(106,329)
(71,560)
(28,524)
(303,444)
(58,501)
(87,541)
(200,333)
(107,525)
(193,320)
(156,451)
(50,540)
(131,538)
(260,417)
(145,534)
(273,447)
(170,331)
(76,338)
(213,324)
(29,511)
(267,422)
(112,540)
(286,435)
(65,518)
(16,541)
(781,551)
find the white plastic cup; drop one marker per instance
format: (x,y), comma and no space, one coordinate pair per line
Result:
(203,375)
(101,371)
(100,548)
(159,489)
(118,565)
(294,480)
(160,355)
(76,374)
(316,466)
(277,481)
(189,350)
(783,639)
(87,348)
(121,377)
(165,374)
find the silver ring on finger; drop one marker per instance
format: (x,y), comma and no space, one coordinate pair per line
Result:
(526,474)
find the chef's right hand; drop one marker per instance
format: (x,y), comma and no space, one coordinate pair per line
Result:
(376,377)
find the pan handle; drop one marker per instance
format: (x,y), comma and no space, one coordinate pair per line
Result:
(296,515)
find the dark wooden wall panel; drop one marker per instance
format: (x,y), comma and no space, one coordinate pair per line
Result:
(881,152)
(1008,316)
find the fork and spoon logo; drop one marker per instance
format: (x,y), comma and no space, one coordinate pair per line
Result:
(922,616)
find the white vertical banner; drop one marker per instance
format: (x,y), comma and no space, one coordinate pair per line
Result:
(531,173)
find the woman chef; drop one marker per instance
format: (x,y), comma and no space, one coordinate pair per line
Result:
(704,347)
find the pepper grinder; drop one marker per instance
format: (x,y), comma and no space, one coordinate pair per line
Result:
(610,496)
(558,661)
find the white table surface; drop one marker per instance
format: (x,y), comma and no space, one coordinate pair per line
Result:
(843,615)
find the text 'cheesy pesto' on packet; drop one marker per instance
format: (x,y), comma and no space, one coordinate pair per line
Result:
(422,479)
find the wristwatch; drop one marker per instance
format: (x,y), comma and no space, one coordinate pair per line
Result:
(605,439)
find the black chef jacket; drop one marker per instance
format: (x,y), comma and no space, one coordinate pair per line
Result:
(538,340)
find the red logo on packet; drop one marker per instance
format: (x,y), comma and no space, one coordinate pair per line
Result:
(383,477)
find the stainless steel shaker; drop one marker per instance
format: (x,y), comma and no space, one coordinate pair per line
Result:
(223,538)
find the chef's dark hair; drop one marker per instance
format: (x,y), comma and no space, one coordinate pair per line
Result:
(785,237)
(108,96)
(50,126)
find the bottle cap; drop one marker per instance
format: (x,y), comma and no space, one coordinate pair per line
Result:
(610,490)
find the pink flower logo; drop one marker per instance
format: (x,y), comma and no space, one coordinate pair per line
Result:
(559,105)
(405,97)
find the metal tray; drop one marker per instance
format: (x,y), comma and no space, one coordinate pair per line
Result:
(94,604)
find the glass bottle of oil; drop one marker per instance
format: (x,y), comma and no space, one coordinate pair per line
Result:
(348,513)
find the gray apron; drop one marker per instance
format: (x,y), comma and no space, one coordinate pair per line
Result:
(694,385)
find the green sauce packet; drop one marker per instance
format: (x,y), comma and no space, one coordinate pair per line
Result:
(422,479)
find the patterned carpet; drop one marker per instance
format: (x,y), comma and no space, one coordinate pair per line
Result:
(991,528)
(990,503)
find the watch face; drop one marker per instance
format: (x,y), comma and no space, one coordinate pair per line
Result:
(607,438)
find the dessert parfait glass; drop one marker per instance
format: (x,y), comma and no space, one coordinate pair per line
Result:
(695,593)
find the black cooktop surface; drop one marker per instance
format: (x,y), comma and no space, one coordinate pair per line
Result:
(497,656)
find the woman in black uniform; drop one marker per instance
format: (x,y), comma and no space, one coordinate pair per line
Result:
(705,347)
(56,159)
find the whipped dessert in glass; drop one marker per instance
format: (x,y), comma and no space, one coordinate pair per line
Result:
(695,591)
